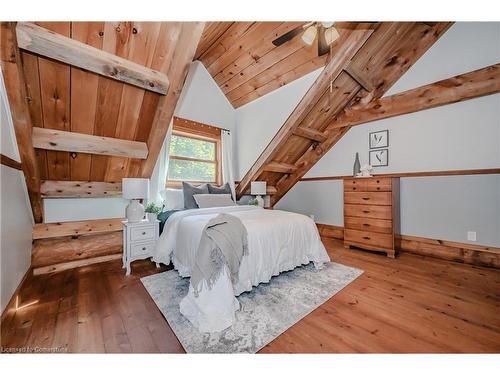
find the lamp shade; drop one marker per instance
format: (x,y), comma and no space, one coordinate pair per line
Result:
(135,188)
(258,188)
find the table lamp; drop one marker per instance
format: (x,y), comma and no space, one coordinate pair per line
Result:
(135,189)
(258,188)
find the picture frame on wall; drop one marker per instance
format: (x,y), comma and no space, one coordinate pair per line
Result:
(379,158)
(379,139)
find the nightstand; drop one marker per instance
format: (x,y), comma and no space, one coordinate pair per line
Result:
(139,241)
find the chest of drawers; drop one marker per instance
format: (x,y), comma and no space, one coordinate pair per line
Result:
(371,213)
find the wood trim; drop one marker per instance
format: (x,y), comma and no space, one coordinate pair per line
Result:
(74,264)
(58,250)
(15,85)
(457,172)
(346,51)
(177,72)
(478,255)
(76,228)
(359,77)
(466,86)
(80,189)
(47,43)
(279,167)
(185,158)
(11,163)
(194,127)
(51,139)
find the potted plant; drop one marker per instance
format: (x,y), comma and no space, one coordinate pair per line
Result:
(152,211)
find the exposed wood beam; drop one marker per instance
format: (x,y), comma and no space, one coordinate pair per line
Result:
(280,167)
(359,77)
(177,72)
(347,49)
(11,163)
(456,172)
(47,43)
(51,139)
(76,228)
(466,86)
(80,189)
(15,86)
(311,134)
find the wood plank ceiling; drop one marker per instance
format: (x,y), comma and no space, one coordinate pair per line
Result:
(246,65)
(68,98)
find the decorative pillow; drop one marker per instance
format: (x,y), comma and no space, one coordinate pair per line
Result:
(213,200)
(173,199)
(190,190)
(224,189)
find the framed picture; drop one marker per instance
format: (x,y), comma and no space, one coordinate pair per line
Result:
(379,139)
(379,158)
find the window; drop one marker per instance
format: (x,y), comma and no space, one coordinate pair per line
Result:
(194,153)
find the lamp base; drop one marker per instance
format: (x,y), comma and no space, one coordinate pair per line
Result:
(260,201)
(134,211)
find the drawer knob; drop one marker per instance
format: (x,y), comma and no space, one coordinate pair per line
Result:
(143,233)
(354,188)
(366,198)
(366,225)
(378,188)
(378,181)
(143,248)
(366,238)
(366,211)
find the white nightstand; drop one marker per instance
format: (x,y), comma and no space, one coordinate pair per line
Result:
(139,241)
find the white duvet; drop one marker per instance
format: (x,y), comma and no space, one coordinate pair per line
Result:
(278,241)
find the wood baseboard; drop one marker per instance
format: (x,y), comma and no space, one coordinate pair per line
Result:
(478,255)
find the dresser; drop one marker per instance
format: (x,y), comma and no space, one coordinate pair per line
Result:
(371,213)
(139,241)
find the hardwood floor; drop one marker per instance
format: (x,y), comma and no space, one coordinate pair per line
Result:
(408,305)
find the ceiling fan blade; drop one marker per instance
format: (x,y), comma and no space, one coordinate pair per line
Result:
(323,47)
(287,36)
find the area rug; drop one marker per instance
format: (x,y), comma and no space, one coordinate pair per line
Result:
(266,311)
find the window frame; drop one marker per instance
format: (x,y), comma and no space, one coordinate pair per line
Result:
(194,130)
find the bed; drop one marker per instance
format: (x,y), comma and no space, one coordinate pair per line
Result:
(278,241)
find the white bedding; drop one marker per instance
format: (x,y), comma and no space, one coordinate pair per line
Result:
(278,241)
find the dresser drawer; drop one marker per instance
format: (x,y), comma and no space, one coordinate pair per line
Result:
(145,249)
(369,238)
(355,184)
(371,225)
(142,233)
(368,211)
(379,184)
(369,197)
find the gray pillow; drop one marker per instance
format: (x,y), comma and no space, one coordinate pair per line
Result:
(189,190)
(224,189)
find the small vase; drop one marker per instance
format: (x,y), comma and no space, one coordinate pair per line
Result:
(357,166)
(151,216)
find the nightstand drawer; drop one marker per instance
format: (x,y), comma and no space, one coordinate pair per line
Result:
(375,198)
(142,233)
(146,248)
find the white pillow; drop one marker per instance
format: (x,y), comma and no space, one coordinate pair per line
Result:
(213,200)
(173,199)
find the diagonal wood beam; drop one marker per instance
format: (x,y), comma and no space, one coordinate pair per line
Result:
(348,46)
(59,140)
(408,49)
(177,73)
(47,43)
(311,134)
(466,86)
(15,86)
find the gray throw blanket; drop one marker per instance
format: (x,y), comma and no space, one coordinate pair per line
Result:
(224,241)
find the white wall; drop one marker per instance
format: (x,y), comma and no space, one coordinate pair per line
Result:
(16,222)
(258,121)
(201,100)
(458,136)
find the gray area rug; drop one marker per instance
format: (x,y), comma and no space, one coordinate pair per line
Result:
(266,311)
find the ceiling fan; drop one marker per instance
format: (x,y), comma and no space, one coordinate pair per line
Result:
(324,31)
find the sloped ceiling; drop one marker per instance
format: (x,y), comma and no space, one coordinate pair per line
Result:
(246,65)
(68,98)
